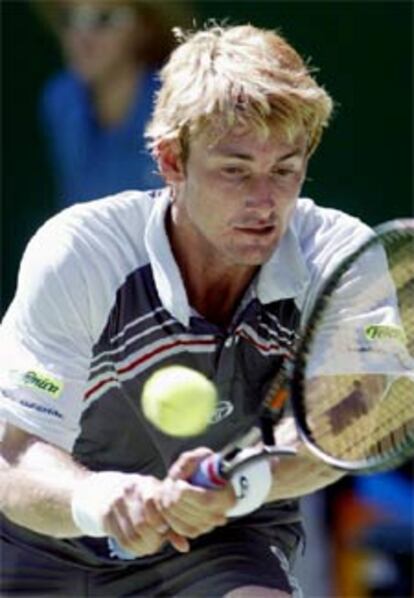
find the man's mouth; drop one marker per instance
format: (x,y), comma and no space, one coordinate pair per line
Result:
(258,230)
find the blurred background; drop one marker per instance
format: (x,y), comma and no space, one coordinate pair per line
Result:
(77,87)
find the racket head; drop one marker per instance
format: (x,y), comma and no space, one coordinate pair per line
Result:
(354,418)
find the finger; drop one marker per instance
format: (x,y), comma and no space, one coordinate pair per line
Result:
(196,504)
(175,491)
(201,500)
(179,542)
(195,516)
(154,518)
(138,536)
(114,529)
(187,463)
(128,540)
(182,527)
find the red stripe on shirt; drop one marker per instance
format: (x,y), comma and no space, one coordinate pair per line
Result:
(146,357)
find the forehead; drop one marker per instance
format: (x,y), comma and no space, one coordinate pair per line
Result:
(214,139)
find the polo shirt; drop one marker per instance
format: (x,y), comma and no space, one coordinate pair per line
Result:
(101,305)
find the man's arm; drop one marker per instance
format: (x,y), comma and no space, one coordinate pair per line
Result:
(40,483)
(300,474)
(37,482)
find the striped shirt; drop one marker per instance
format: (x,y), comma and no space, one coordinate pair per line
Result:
(101,305)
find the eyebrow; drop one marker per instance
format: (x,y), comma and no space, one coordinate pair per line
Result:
(248,157)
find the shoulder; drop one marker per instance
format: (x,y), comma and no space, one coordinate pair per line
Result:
(61,98)
(61,87)
(85,253)
(326,231)
(108,224)
(325,236)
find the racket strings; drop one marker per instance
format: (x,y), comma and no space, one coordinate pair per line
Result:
(366,428)
(364,414)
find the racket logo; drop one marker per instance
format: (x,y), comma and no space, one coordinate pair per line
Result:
(242,487)
(384,332)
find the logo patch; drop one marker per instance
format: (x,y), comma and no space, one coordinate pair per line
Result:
(382,332)
(43,382)
(223,410)
(41,409)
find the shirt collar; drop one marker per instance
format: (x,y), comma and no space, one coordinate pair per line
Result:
(167,277)
(283,276)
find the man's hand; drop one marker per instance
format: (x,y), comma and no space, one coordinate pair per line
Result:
(123,506)
(191,511)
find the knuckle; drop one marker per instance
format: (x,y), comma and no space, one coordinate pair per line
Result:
(193,532)
(139,529)
(219,520)
(207,499)
(195,529)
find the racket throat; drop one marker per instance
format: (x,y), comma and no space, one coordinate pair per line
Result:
(267,431)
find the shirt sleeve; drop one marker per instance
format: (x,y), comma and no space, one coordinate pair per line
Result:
(46,341)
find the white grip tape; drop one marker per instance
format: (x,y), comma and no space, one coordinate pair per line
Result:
(251,482)
(90,498)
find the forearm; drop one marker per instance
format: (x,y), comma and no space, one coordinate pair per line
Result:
(37,491)
(300,475)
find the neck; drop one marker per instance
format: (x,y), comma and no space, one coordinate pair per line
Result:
(113,96)
(214,287)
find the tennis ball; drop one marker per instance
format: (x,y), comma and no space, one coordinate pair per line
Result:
(179,401)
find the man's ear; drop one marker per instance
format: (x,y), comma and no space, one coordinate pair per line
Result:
(170,161)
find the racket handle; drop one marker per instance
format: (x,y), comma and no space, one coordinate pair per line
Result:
(209,473)
(251,478)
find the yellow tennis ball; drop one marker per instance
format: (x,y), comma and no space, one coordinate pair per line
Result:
(179,401)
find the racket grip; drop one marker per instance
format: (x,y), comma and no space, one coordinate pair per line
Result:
(209,473)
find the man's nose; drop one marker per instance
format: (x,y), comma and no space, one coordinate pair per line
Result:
(261,193)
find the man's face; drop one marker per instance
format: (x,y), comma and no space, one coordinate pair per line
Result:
(239,193)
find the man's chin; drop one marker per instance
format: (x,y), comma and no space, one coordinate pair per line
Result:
(253,256)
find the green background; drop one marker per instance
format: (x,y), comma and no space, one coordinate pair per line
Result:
(364,54)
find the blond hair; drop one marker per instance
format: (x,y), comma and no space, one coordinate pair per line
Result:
(247,75)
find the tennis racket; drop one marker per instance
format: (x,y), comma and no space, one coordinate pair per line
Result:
(350,382)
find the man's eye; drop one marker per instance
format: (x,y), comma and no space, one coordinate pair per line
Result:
(234,171)
(284,172)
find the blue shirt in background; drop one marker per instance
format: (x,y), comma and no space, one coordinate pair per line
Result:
(91,161)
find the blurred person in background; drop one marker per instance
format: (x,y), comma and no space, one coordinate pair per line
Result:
(93,112)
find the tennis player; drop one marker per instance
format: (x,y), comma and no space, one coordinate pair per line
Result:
(213,272)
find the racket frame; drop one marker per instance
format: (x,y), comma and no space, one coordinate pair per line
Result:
(399,228)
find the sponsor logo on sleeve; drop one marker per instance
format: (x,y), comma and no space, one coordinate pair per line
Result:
(43,382)
(382,332)
(41,409)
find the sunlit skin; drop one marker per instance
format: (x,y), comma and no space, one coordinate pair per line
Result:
(233,200)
